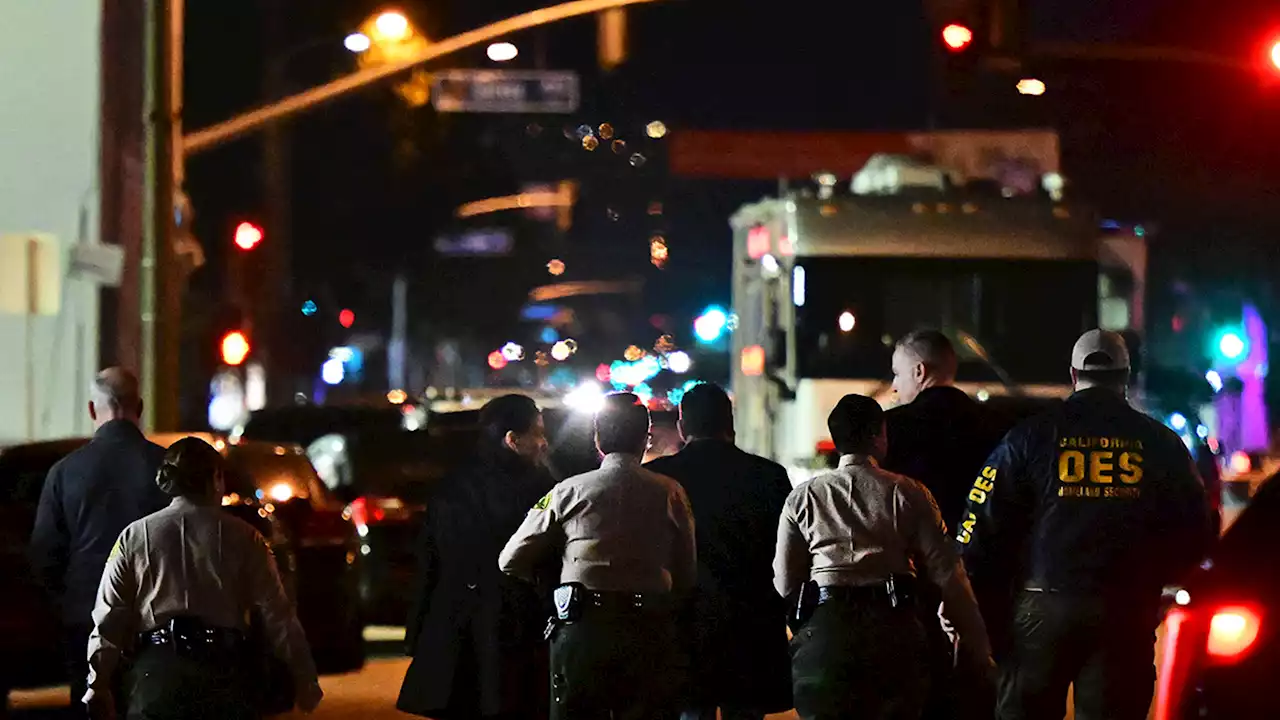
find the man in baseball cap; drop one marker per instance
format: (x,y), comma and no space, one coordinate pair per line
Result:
(1084,514)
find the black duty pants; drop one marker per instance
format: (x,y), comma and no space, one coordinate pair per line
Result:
(162,684)
(1107,649)
(627,665)
(860,659)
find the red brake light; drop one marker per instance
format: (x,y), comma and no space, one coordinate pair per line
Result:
(1175,665)
(1232,631)
(358,511)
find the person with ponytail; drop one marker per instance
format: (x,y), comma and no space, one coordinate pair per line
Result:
(176,595)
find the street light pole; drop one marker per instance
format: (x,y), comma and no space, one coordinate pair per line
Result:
(235,127)
(160,279)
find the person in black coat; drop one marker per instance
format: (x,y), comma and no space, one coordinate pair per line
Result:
(88,499)
(741,661)
(476,635)
(941,437)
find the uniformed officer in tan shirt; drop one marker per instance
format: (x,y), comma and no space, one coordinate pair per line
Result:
(624,539)
(176,593)
(861,534)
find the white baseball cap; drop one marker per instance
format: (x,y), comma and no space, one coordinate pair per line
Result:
(1100,350)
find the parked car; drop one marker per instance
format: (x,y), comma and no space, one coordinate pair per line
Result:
(278,480)
(30,656)
(1221,647)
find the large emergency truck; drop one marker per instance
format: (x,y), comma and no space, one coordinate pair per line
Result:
(825,283)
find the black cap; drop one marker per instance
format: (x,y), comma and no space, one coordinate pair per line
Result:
(854,421)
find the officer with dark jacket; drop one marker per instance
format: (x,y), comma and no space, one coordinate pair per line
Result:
(1088,511)
(625,541)
(739,636)
(939,436)
(87,500)
(860,533)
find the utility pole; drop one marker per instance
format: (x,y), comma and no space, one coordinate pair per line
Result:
(161,290)
(274,276)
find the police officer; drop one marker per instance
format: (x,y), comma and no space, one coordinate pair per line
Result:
(855,532)
(175,593)
(1088,511)
(625,540)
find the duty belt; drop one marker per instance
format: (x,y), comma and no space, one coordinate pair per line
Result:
(897,591)
(191,637)
(627,602)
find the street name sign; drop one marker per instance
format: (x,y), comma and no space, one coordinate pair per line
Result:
(506,91)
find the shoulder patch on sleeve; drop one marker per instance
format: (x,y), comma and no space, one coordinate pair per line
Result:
(544,503)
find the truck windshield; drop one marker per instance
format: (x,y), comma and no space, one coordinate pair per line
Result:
(1024,314)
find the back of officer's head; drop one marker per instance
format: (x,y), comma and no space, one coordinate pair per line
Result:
(191,469)
(1100,358)
(706,412)
(857,426)
(622,425)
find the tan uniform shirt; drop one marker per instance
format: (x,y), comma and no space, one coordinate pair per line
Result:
(858,524)
(192,560)
(620,528)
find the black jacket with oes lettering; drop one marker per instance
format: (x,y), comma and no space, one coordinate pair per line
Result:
(1093,497)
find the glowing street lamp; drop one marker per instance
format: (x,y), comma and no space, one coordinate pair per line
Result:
(357,42)
(1031,86)
(391,25)
(502,52)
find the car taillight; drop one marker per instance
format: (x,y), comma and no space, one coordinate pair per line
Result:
(366,511)
(1232,631)
(1177,653)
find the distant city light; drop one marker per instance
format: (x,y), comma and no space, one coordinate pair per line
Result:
(633,353)
(332,371)
(397,397)
(309,308)
(560,351)
(587,397)
(797,286)
(1214,378)
(656,129)
(248,236)
(1178,422)
(711,324)
(679,362)
(847,321)
(769,264)
(512,352)
(957,37)
(502,52)
(496,360)
(346,318)
(357,42)
(556,267)
(1031,86)
(549,335)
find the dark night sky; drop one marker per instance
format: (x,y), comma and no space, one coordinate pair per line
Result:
(1196,150)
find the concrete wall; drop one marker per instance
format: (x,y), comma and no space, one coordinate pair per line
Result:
(49,120)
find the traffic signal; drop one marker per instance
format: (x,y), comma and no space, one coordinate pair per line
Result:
(346,318)
(1230,345)
(1275,55)
(235,348)
(956,37)
(248,236)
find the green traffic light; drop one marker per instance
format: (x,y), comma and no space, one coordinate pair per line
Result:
(1230,345)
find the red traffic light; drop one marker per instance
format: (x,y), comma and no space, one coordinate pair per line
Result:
(346,318)
(235,348)
(248,236)
(957,37)
(1275,55)
(496,360)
